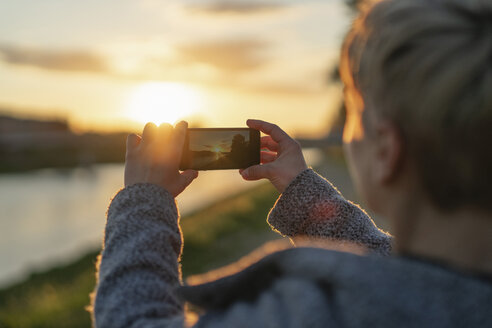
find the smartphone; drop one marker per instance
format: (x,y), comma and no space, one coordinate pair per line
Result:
(220,149)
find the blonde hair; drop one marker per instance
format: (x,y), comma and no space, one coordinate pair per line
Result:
(427,66)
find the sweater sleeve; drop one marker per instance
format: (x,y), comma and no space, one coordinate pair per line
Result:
(312,206)
(139,272)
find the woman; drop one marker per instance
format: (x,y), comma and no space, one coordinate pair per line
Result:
(417,77)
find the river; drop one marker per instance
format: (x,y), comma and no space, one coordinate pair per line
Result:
(51,216)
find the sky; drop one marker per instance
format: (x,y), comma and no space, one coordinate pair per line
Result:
(115,64)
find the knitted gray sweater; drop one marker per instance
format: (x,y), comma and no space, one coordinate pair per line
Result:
(139,276)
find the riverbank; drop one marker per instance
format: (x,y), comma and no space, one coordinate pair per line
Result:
(28,144)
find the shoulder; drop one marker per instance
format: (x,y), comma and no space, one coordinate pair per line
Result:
(365,290)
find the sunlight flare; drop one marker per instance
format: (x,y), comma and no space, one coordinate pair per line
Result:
(218,151)
(163,102)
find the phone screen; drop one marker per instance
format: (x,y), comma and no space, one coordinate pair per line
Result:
(221,149)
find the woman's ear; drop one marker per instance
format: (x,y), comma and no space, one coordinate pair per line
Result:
(388,151)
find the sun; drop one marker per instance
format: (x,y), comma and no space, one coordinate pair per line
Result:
(162,102)
(217,150)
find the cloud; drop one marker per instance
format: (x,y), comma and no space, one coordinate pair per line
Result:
(241,7)
(232,56)
(81,61)
(240,64)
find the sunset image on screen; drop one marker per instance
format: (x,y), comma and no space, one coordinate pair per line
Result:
(215,149)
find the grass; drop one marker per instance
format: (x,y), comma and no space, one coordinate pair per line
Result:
(214,236)
(227,230)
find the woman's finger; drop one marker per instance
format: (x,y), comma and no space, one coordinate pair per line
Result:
(162,143)
(164,133)
(132,141)
(178,140)
(257,172)
(268,143)
(187,177)
(277,134)
(267,157)
(149,133)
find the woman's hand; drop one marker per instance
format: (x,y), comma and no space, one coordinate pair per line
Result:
(155,157)
(284,160)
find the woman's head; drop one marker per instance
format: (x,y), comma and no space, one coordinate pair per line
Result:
(425,66)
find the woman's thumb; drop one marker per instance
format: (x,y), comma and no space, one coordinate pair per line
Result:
(256,172)
(188,176)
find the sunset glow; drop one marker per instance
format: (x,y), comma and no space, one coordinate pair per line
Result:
(163,61)
(161,102)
